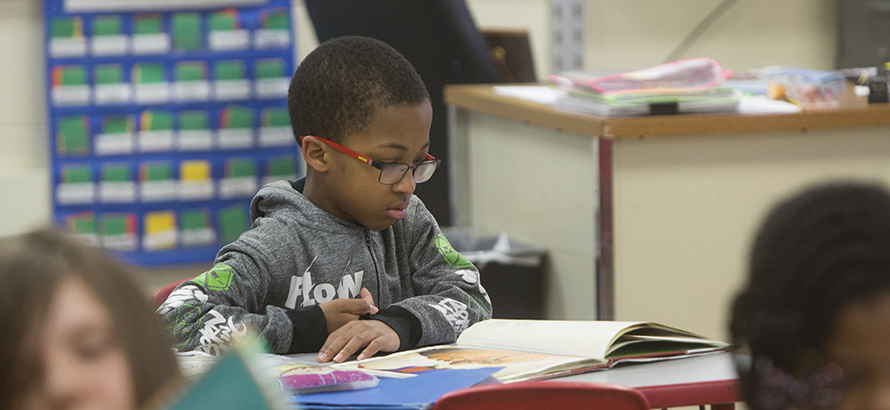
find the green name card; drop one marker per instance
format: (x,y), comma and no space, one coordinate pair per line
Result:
(147,24)
(116,173)
(275,117)
(281,166)
(269,68)
(240,168)
(193,120)
(186,29)
(229,70)
(194,219)
(232,222)
(108,74)
(77,174)
(107,26)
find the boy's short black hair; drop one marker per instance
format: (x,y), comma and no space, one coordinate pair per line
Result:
(816,253)
(339,85)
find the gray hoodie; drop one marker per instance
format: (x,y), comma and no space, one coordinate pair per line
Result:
(271,280)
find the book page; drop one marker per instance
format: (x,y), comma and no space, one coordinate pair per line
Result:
(583,338)
(515,365)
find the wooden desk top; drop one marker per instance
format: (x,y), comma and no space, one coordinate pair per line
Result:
(479,97)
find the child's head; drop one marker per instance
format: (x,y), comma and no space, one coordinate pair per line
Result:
(339,86)
(815,313)
(77,331)
(361,94)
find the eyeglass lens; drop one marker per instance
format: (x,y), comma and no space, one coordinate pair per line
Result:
(393,173)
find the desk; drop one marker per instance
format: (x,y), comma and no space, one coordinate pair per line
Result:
(645,217)
(694,381)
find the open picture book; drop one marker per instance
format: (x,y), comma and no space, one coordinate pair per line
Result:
(538,349)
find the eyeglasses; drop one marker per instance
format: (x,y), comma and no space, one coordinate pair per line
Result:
(390,173)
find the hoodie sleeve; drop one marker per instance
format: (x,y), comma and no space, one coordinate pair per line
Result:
(231,299)
(450,296)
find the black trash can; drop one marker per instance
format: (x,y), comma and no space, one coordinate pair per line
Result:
(512,271)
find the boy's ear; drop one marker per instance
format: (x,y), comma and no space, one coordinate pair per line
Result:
(315,153)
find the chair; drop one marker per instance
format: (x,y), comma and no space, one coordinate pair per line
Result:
(442,42)
(160,296)
(536,395)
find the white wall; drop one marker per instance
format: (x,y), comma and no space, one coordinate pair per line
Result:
(24,181)
(625,34)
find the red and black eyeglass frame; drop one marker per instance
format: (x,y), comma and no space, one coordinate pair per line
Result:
(377,164)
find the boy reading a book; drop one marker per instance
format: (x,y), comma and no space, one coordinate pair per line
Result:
(345,260)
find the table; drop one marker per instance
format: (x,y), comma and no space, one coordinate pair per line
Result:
(645,218)
(694,381)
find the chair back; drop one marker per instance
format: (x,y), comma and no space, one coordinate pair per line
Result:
(536,395)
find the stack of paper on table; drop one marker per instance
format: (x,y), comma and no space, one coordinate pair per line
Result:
(685,86)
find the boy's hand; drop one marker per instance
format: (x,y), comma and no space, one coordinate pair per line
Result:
(372,335)
(339,312)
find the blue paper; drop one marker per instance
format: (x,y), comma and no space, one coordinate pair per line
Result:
(412,392)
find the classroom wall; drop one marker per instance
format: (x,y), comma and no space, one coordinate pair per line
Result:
(619,34)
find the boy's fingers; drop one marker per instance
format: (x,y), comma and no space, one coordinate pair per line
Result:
(366,295)
(357,307)
(333,345)
(371,350)
(357,340)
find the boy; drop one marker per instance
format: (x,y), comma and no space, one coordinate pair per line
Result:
(345,260)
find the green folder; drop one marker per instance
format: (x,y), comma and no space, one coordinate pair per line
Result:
(232,222)
(155,171)
(77,174)
(116,173)
(191,71)
(228,385)
(114,224)
(223,21)
(237,117)
(193,219)
(72,135)
(147,24)
(192,120)
(108,74)
(116,124)
(281,166)
(106,26)
(81,223)
(240,168)
(277,20)
(144,73)
(275,117)
(65,27)
(186,29)
(269,68)
(228,70)
(73,75)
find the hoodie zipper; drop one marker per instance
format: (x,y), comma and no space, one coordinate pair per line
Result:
(367,234)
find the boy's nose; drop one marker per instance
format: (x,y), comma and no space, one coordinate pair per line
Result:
(406,184)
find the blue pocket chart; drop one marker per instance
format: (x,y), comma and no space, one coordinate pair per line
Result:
(166,116)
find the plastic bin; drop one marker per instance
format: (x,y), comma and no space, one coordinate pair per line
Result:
(511,271)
